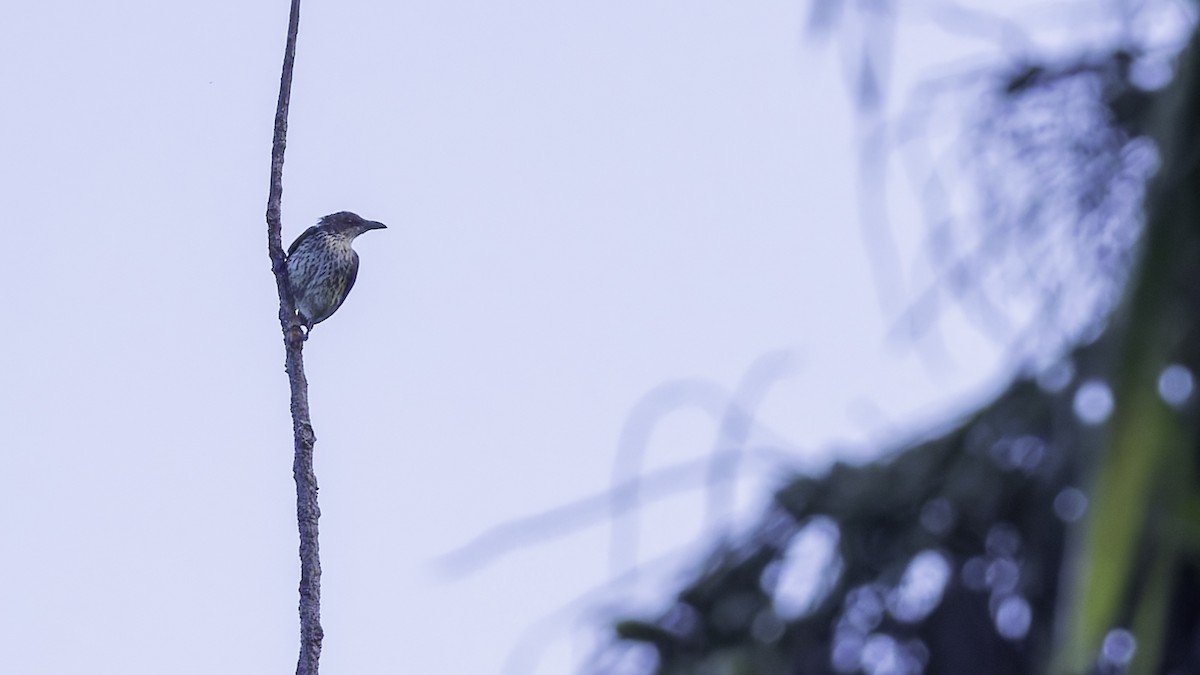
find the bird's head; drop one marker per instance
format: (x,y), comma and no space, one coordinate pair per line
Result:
(349,224)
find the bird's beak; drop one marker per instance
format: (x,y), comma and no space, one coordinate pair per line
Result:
(375,225)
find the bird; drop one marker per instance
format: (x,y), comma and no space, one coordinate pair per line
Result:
(322,266)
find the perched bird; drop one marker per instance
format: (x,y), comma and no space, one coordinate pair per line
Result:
(322,266)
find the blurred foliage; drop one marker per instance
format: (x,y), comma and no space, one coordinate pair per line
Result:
(1057,529)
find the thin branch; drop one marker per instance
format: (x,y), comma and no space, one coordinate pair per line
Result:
(307,511)
(632,448)
(572,517)
(736,421)
(733,434)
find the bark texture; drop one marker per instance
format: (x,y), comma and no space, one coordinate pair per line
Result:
(307,511)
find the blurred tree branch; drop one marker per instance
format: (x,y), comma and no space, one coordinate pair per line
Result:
(1064,516)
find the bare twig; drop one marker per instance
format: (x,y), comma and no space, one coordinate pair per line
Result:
(641,490)
(735,422)
(307,511)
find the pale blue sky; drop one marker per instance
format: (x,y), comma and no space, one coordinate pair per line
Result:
(585,200)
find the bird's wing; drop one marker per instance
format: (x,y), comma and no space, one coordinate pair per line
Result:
(350,277)
(304,235)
